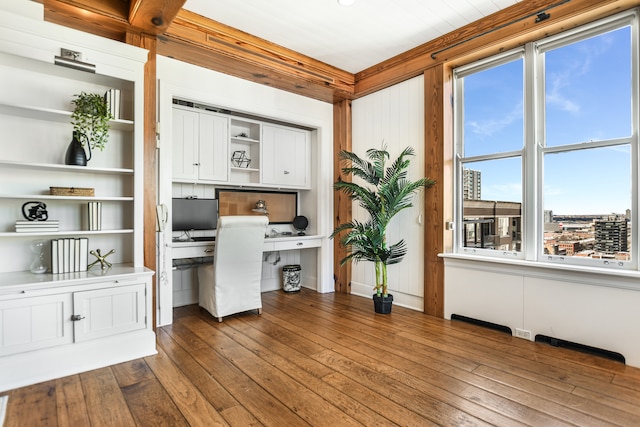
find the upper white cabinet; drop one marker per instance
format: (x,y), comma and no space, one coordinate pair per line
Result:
(199,145)
(286,157)
(210,147)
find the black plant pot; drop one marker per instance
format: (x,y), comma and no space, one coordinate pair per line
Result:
(382,304)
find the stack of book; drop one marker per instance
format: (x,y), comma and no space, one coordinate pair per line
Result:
(94,216)
(24,226)
(112,98)
(69,255)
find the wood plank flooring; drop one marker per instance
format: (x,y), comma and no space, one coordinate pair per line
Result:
(328,360)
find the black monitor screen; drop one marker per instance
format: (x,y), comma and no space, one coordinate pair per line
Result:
(194,214)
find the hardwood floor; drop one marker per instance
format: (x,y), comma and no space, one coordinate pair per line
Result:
(328,360)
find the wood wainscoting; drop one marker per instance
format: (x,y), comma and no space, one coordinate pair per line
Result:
(327,359)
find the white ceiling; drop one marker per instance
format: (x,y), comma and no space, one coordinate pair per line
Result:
(351,38)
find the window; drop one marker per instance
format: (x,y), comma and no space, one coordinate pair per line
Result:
(547,149)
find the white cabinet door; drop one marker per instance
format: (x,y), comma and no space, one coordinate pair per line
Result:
(184,154)
(35,322)
(109,311)
(286,156)
(200,146)
(213,148)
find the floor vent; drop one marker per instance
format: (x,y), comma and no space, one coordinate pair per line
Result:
(556,342)
(488,325)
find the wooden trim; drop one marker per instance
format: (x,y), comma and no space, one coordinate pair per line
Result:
(413,62)
(269,63)
(435,149)
(342,204)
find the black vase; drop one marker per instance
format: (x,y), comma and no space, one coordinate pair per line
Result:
(76,155)
(382,304)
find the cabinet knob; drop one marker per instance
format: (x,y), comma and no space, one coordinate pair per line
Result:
(286,172)
(196,164)
(208,251)
(299,243)
(76,317)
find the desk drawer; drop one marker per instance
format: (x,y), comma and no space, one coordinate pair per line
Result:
(297,244)
(193,251)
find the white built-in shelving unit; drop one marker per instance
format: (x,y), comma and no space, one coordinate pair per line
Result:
(53,325)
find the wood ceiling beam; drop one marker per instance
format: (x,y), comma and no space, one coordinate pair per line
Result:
(153,16)
(101,18)
(113,18)
(496,33)
(191,38)
(201,41)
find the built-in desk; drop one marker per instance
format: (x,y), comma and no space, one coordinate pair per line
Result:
(197,249)
(278,251)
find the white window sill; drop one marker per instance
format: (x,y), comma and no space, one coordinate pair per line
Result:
(614,277)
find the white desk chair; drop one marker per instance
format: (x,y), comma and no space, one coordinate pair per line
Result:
(231,284)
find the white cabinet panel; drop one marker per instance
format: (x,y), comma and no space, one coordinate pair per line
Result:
(110,311)
(184,152)
(199,145)
(32,323)
(213,148)
(286,156)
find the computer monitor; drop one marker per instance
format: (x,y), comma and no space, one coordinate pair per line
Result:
(194,214)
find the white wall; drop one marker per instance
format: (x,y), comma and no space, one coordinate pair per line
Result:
(395,117)
(197,84)
(580,306)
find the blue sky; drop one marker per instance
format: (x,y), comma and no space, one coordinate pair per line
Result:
(587,98)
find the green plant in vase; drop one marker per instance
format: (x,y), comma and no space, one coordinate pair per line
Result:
(90,119)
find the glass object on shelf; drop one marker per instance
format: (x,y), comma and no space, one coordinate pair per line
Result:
(240,159)
(38,265)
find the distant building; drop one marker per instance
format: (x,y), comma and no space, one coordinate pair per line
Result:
(611,235)
(493,225)
(548,217)
(471,181)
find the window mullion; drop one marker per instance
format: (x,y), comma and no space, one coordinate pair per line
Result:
(533,134)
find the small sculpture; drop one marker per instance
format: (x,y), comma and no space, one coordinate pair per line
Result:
(104,264)
(240,159)
(37,212)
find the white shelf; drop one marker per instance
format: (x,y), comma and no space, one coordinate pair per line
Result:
(66,233)
(53,115)
(244,139)
(65,168)
(74,198)
(236,169)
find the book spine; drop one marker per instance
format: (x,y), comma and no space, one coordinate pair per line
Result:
(54,256)
(84,253)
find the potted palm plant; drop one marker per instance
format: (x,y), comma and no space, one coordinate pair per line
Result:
(385,192)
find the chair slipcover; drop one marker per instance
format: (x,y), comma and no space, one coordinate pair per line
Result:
(231,284)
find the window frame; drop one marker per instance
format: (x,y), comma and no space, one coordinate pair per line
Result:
(534,147)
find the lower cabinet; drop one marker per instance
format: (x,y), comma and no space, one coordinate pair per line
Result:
(51,331)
